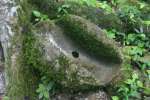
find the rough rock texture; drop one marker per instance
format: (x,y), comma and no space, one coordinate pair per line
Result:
(7,17)
(57,42)
(91,38)
(75,55)
(2,83)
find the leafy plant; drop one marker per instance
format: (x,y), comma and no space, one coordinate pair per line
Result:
(111,34)
(136,52)
(115,98)
(43,92)
(39,16)
(137,40)
(130,87)
(143,65)
(62,10)
(114,34)
(45,88)
(104,5)
(129,14)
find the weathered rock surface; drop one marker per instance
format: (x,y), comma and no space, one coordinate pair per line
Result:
(57,42)
(93,59)
(7,13)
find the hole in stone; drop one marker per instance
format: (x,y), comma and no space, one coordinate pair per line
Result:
(75,54)
(26,98)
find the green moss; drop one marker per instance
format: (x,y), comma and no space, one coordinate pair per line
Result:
(31,53)
(67,79)
(24,12)
(29,66)
(26,70)
(76,28)
(34,62)
(22,79)
(48,7)
(96,15)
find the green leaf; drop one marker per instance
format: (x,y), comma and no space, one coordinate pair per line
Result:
(115,98)
(46,94)
(134,93)
(129,81)
(131,37)
(111,34)
(139,84)
(142,5)
(148,71)
(50,86)
(36,13)
(147,91)
(41,88)
(146,22)
(135,76)
(143,36)
(44,17)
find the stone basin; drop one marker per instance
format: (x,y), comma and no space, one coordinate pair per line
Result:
(56,42)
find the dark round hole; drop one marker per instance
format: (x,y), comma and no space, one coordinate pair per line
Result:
(75,54)
(26,98)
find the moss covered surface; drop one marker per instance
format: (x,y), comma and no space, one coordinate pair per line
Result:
(96,15)
(22,79)
(95,43)
(28,65)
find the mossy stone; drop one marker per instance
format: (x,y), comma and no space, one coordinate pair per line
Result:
(91,38)
(96,15)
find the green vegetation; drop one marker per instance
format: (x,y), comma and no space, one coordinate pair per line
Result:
(125,21)
(52,79)
(37,16)
(45,88)
(94,14)
(129,88)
